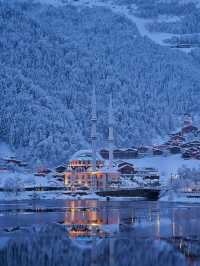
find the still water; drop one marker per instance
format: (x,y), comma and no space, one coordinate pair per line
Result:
(178,225)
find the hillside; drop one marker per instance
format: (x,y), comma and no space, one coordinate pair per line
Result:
(51,57)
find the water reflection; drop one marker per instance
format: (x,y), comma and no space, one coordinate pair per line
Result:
(179,226)
(83,220)
(146,220)
(176,224)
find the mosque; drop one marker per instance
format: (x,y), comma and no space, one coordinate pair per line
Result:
(86,167)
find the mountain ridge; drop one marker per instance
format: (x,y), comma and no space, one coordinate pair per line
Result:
(49,98)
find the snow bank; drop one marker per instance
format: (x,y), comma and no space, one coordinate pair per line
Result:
(27,179)
(173,196)
(167,166)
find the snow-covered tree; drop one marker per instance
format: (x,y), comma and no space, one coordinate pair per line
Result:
(51,57)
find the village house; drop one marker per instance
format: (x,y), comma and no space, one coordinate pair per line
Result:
(174,149)
(126,169)
(60,169)
(120,153)
(148,176)
(12,160)
(144,150)
(191,144)
(157,152)
(177,139)
(189,129)
(104,154)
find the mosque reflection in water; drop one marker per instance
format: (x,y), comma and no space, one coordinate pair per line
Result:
(87,221)
(178,226)
(84,219)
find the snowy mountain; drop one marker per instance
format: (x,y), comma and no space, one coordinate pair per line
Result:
(54,52)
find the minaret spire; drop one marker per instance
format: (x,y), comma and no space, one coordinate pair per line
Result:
(111,135)
(94,137)
(94,104)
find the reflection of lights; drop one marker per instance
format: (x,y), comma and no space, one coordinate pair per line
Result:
(173,223)
(180,245)
(150,214)
(173,228)
(95,224)
(175,177)
(158,225)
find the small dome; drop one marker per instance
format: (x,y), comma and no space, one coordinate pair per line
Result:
(85,155)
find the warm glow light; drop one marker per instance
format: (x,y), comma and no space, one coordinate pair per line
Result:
(158,225)
(94,224)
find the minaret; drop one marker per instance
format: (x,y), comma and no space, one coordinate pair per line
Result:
(111,135)
(94,137)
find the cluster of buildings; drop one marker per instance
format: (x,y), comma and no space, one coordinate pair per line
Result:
(114,168)
(185,142)
(7,163)
(107,168)
(87,168)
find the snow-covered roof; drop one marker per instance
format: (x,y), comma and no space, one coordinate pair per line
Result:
(106,169)
(85,155)
(125,165)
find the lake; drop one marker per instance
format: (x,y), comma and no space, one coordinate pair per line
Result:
(172,231)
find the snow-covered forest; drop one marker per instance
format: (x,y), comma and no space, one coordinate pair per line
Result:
(52,56)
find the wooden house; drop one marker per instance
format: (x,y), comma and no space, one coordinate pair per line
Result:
(126,169)
(177,139)
(13,160)
(176,134)
(104,154)
(149,174)
(143,149)
(157,152)
(186,155)
(189,129)
(174,149)
(60,169)
(125,153)
(120,154)
(191,144)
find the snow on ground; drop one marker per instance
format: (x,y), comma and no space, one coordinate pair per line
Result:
(51,2)
(30,195)
(23,177)
(166,165)
(19,179)
(50,195)
(197,2)
(172,196)
(141,23)
(157,37)
(125,11)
